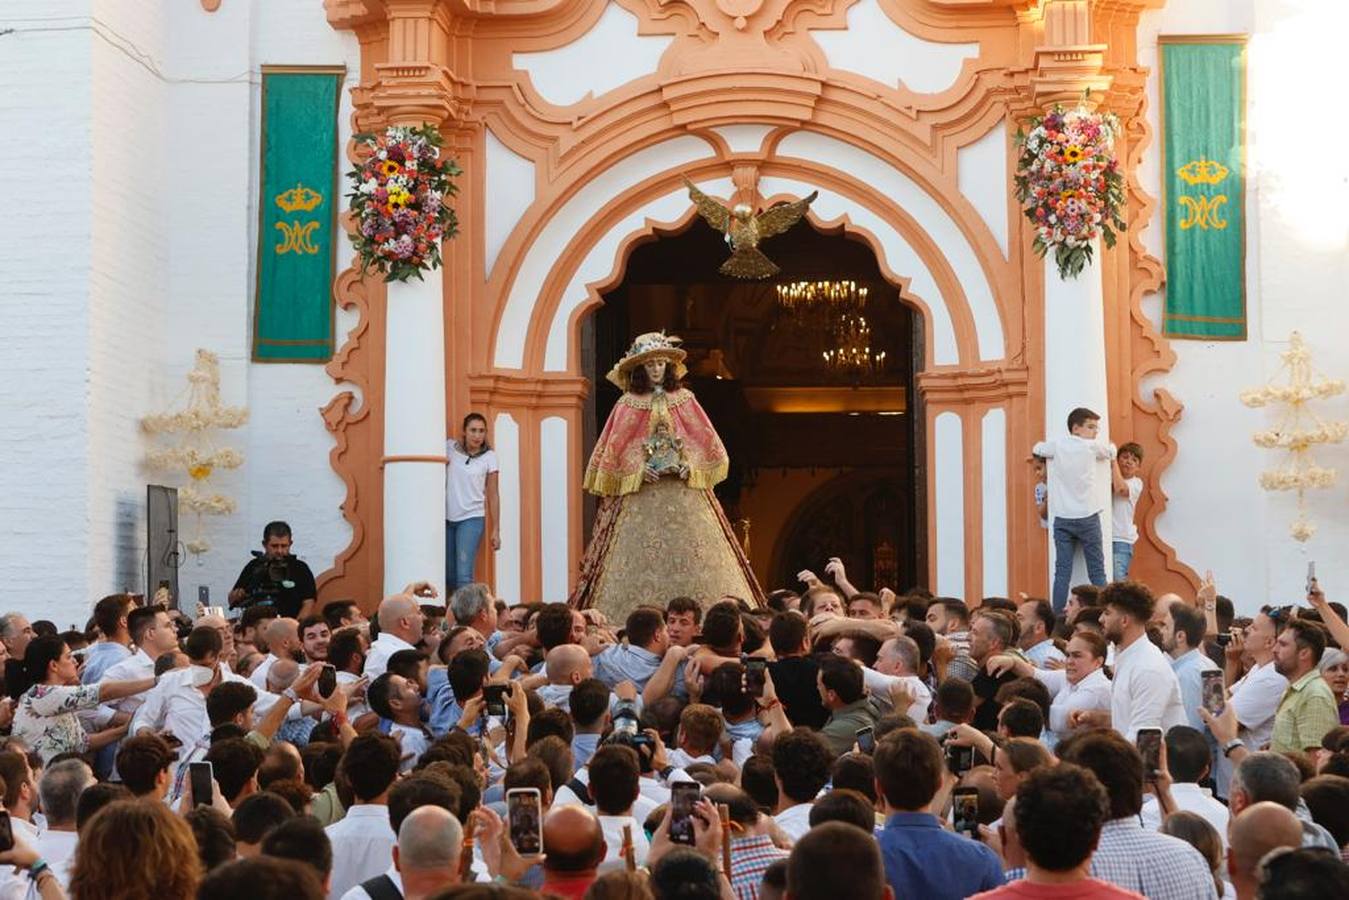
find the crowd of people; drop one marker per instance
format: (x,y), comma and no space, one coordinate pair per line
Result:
(835,743)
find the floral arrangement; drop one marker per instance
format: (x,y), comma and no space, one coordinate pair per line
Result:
(195,454)
(1299,430)
(1068,181)
(399,198)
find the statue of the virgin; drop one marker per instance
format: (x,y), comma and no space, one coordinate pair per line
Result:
(659,532)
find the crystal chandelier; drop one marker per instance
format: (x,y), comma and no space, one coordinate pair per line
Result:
(852,354)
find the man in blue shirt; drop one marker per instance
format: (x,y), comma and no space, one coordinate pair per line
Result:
(923,859)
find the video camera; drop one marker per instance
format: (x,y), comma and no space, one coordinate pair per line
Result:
(267,578)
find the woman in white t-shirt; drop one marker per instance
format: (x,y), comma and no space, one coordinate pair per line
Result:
(470,500)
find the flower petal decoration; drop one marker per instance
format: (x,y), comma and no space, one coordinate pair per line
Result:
(1070,186)
(397,199)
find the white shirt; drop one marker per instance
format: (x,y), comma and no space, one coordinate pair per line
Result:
(1189,797)
(1256,697)
(58,849)
(1072,474)
(466,482)
(363,843)
(133,668)
(1122,511)
(377,660)
(1043,652)
(1092,692)
(258,676)
(613,838)
(174,705)
(650,794)
(355,708)
(1145,693)
(680,759)
(878,686)
(359,893)
(795,820)
(19,886)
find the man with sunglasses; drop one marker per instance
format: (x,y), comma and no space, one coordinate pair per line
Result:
(1256,695)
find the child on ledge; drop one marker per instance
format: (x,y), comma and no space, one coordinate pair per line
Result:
(1128,487)
(1041,467)
(1072,483)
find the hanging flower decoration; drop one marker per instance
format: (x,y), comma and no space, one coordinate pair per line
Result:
(1299,430)
(1069,183)
(195,453)
(400,199)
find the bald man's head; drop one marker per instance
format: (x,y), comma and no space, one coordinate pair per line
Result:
(400,615)
(573,840)
(568,664)
(429,838)
(282,675)
(1258,829)
(282,636)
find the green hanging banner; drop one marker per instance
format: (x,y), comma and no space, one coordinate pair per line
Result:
(293,315)
(1204,184)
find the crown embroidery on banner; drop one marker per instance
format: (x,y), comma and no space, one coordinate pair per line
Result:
(299,199)
(1203,171)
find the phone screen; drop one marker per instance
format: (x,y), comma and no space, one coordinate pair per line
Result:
(524,810)
(1212,691)
(866,739)
(203,776)
(1150,748)
(683,794)
(327,682)
(965,811)
(755,670)
(959,759)
(494,695)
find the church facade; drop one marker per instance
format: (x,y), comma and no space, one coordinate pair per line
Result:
(575,123)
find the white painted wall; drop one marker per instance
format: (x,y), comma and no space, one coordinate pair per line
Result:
(1297,267)
(147,114)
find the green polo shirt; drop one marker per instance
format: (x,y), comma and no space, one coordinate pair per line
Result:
(1306,712)
(840,732)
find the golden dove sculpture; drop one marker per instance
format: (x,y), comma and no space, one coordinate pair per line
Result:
(744,230)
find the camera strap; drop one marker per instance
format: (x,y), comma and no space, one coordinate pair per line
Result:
(581,790)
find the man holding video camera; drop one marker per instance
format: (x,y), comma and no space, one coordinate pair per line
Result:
(276,577)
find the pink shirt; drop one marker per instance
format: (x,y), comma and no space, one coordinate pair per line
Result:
(1086,889)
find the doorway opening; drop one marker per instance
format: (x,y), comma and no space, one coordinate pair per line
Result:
(809,377)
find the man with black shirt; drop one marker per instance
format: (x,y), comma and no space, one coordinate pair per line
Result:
(292,594)
(991,633)
(794,671)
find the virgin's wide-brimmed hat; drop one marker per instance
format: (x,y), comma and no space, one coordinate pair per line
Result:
(646,347)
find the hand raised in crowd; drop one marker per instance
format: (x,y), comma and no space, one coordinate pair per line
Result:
(499,854)
(625,690)
(1236,646)
(304,685)
(901,696)
(693,679)
(473,708)
(835,570)
(1207,595)
(997,665)
(659,756)
(1223,726)
(422,590)
(808,578)
(1054,663)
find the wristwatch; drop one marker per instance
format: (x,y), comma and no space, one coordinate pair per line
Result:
(1232,745)
(290,694)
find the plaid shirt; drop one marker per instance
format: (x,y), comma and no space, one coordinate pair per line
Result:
(1306,712)
(1156,865)
(750,856)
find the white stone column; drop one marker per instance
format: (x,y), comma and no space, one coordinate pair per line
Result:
(1075,376)
(414,433)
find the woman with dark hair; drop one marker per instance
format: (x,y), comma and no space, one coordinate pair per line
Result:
(655,463)
(472,501)
(46,715)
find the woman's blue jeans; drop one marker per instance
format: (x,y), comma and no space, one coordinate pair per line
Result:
(461,549)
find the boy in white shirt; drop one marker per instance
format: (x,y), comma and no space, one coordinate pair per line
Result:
(1128,488)
(1072,483)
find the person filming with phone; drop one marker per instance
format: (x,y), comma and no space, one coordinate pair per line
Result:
(276,577)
